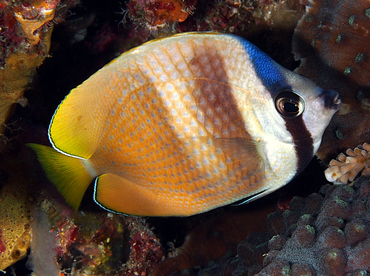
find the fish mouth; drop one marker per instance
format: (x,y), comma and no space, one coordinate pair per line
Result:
(331,99)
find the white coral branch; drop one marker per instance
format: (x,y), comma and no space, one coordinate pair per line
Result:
(347,166)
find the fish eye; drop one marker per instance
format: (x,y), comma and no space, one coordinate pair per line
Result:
(289,104)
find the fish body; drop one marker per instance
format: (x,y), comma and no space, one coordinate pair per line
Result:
(185,124)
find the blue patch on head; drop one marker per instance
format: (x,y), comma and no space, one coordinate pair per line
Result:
(267,69)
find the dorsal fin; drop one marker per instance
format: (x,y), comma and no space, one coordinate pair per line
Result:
(77,124)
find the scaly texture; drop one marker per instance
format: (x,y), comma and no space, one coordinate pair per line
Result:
(185,124)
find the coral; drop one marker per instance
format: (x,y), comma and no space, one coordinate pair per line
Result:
(217,236)
(333,241)
(19,61)
(347,166)
(30,26)
(67,68)
(42,256)
(14,77)
(326,233)
(156,13)
(86,242)
(25,36)
(249,17)
(245,18)
(14,214)
(90,243)
(323,34)
(146,250)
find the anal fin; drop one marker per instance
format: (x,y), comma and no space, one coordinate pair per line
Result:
(120,195)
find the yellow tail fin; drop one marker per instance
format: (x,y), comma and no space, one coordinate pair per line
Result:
(70,175)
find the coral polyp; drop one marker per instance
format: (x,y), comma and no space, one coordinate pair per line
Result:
(347,166)
(325,234)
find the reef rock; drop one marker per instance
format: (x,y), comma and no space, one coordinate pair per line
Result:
(14,217)
(90,243)
(332,41)
(330,237)
(324,234)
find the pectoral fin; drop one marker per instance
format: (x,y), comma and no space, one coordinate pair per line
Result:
(248,152)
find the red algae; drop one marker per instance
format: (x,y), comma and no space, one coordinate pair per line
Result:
(66,235)
(159,12)
(160,18)
(146,250)
(2,246)
(93,243)
(156,14)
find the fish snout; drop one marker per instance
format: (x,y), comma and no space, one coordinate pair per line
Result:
(331,99)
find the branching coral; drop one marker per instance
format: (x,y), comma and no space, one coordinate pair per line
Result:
(347,166)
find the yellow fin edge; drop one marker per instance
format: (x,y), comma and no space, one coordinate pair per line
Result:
(70,175)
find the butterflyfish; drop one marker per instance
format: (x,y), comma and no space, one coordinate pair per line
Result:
(184,124)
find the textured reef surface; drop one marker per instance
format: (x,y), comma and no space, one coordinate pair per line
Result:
(330,236)
(90,243)
(326,233)
(25,39)
(48,47)
(332,41)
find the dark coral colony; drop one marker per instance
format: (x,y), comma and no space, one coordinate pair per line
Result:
(319,224)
